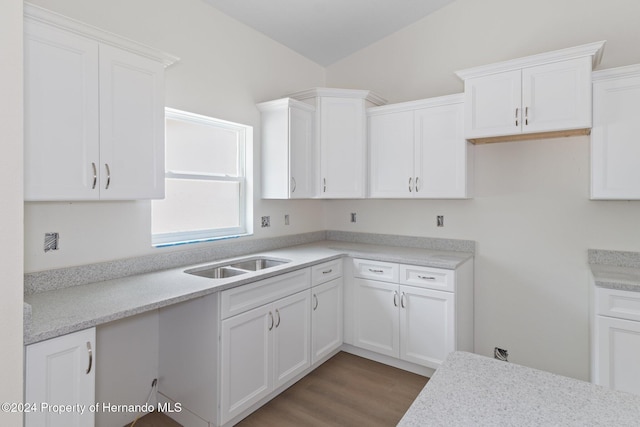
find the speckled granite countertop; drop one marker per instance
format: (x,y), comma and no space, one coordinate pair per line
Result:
(473,390)
(615,269)
(52,313)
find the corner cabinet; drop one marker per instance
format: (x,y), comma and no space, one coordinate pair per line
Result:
(614,148)
(94,113)
(418,150)
(288,144)
(61,371)
(543,95)
(341,139)
(412,313)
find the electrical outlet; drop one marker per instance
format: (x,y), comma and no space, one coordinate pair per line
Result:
(51,241)
(500,354)
(286,219)
(353,217)
(266,221)
(440,220)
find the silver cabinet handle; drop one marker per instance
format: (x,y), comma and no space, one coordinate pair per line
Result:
(315,299)
(90,357)
(278,313)
(106,165)
(410,179)
(526,116)
(95,176)
(293,185)
(327,271)
(402,303)
(417,186)
(271,318)
(376,271)
(324,185)
(517,122)
(426,277)
(395,298)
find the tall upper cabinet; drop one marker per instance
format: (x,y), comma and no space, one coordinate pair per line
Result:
(94,112)
(341,139)
(614,138)
(288,143)
(537,96)
(417,150)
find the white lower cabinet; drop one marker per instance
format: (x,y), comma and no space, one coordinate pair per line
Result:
(326,309)
(61,371)
(417,314)
(263,348)
(616,343)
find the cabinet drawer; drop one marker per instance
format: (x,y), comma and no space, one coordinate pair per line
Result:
(326,271)
(376,270)
(246,297)
(426,277)
(617,303)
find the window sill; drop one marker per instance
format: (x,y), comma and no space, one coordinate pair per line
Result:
(204,240)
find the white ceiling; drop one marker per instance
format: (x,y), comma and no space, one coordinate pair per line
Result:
(326,31)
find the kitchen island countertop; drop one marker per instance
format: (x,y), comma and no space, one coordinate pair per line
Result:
(473,390)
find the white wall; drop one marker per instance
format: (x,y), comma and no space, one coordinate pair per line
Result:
(531,216)
(11,207)
(225,69)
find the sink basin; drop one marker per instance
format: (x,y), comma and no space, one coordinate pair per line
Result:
(235,268)
(255,264)
(216,272)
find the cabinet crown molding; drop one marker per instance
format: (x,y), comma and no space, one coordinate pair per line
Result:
(594,50)
(413,105)
(35,13)
(278,104)
(616,73)
(367,95)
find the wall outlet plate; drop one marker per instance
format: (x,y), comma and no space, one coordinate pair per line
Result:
(353,217)
(266,221)
(51,241)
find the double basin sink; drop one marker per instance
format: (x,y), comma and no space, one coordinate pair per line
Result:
(236,268)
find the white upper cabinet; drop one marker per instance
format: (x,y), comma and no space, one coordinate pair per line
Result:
(538,96)
(417,150)
(614,147)
(341,136)
(288,144)
(94,113)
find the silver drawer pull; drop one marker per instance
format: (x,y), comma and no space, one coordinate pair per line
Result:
(272,322)
(426,277)
(278,313)
(395,298)
(90,357)
(402,303)
(376,271)
(315,298)
(327,271)
(106,165)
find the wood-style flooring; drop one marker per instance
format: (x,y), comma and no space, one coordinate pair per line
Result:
(346,391)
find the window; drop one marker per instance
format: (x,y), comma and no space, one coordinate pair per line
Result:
(206,189)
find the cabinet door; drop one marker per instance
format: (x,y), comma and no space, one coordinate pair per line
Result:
(426,325)
(391,155)
(131,126)
(557,96)
(617,354)
(614,150)
(493,104)
(291,337)
(61,115)
(376,318)
(61,371)
(301,159)
(441,152)
(342,148)
(245,359)
(326,319)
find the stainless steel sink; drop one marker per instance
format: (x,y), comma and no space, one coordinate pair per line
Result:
(258,263)
(235,268)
